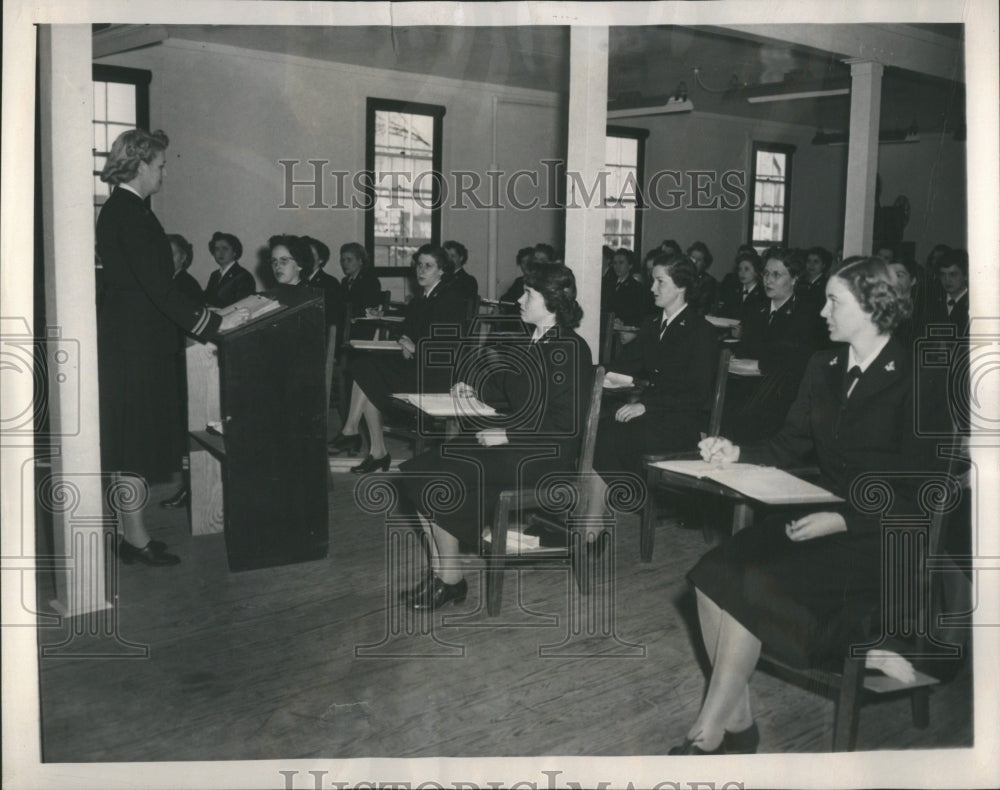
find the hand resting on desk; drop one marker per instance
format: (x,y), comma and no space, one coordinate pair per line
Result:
(718,450)
(815,525)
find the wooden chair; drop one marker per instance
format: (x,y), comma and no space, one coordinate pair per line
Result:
(607,338)
(649,513)
(520,500)
(848,683)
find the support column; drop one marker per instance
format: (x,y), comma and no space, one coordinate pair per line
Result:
(73,493)
(862,156)
(588,102)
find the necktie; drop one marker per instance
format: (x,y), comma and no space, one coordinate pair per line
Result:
(746,293)
(850,380)
(663,327)
(770,318)
(951,304)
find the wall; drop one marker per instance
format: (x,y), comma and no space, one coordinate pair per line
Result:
(231,114)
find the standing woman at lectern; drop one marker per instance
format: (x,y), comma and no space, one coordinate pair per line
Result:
(137,322)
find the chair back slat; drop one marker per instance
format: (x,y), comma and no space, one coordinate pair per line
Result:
(586,463)
(719,396)
(607,338)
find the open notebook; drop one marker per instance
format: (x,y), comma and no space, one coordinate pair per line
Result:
(445,405)
(763,483)
(375,345)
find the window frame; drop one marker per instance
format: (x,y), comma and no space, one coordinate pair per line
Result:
(640,136)
(777,148)
(437,113)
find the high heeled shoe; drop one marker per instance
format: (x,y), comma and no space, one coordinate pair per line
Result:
(179,499)
(689,747)
(373,465)
(742,742)
(349,442)
(148,555)
(438,594)
(418,591)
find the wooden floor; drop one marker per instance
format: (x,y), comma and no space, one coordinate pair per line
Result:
(316,661)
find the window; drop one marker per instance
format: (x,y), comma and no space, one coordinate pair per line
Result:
(624,160)
(121,102)
(771,177)
(403,207)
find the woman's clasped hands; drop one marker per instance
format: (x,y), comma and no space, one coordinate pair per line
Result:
(717,450)
(488,437)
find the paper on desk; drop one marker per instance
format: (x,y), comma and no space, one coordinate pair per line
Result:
(375,345)
(617,381)
(445,405)
(722,323)
(763,483)
(744,367)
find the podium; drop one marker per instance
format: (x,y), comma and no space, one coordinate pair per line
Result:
(263,482)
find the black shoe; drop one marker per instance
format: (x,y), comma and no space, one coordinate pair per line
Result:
(373,465)
(742,742)
(351,443)
(419,591)
(688,747)
(177,500)
(438,594)
(128,554)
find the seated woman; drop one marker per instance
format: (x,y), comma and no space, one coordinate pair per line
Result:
(708,286)
(741,292)
(780,335)
(230,282)
(909,285)
(291,260)
(802,587)
(548,412)
(377,375)
(676,352)
(811,288)
(525,256)
(621,293)
(360,288)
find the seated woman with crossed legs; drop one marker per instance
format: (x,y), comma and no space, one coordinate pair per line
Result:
(804,587)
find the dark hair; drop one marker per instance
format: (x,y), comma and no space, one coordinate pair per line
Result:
(129,149)
(793,260)
(824,255)
(357,250)
(557,285)
(299,249)
(752,256)
(230,239)
(873,285)
(184,246)
(669,245)
(525,252)
(629,256)
(683,271)
(959,258)
(438,254)
(458,247)
(702,247)
(547,250)
(322,251)
(938,251)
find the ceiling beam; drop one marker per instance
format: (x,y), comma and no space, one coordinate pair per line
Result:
(901,46)
(122,38)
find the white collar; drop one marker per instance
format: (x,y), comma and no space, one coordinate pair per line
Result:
(541,331)
(428,293)
(955,299)
(775,308)
(864,364)
(670,318)
(130,189)
(222,272)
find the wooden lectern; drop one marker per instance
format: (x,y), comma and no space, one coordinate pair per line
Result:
(263,482)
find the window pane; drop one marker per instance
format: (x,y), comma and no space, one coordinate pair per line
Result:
(100,105)
(121,103)
(100,137)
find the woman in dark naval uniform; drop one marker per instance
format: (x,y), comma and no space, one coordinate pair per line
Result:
(140,311)
(542,386)
(803,587)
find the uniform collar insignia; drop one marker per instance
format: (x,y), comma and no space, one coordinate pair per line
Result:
(891,366)
(834,361)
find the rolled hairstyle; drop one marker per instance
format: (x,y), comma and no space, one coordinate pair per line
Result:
(184,246)
(458,247)
(128,150)
(557,285)
(299,249)
(683,271)
(793,260)
(824,255)
(754,259)
(702,247)
(872,283)
(230,239)
(439,255)
(357,250)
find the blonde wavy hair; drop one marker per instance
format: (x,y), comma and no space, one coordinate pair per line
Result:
(131,148)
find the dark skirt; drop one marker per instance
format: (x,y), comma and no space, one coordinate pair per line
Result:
(621,445)
(806,601)
(380,374)
(457,484)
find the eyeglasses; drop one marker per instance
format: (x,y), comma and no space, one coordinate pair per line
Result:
(284,261)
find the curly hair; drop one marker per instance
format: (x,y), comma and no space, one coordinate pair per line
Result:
(299,249)
(702,247)
(128,150)
(184,246)
(438,254)
(557,285)
(873,285)
(754,260)
(793,260)
(683,271)
(230,239)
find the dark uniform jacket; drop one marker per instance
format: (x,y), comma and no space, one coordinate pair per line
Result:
(225,289)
